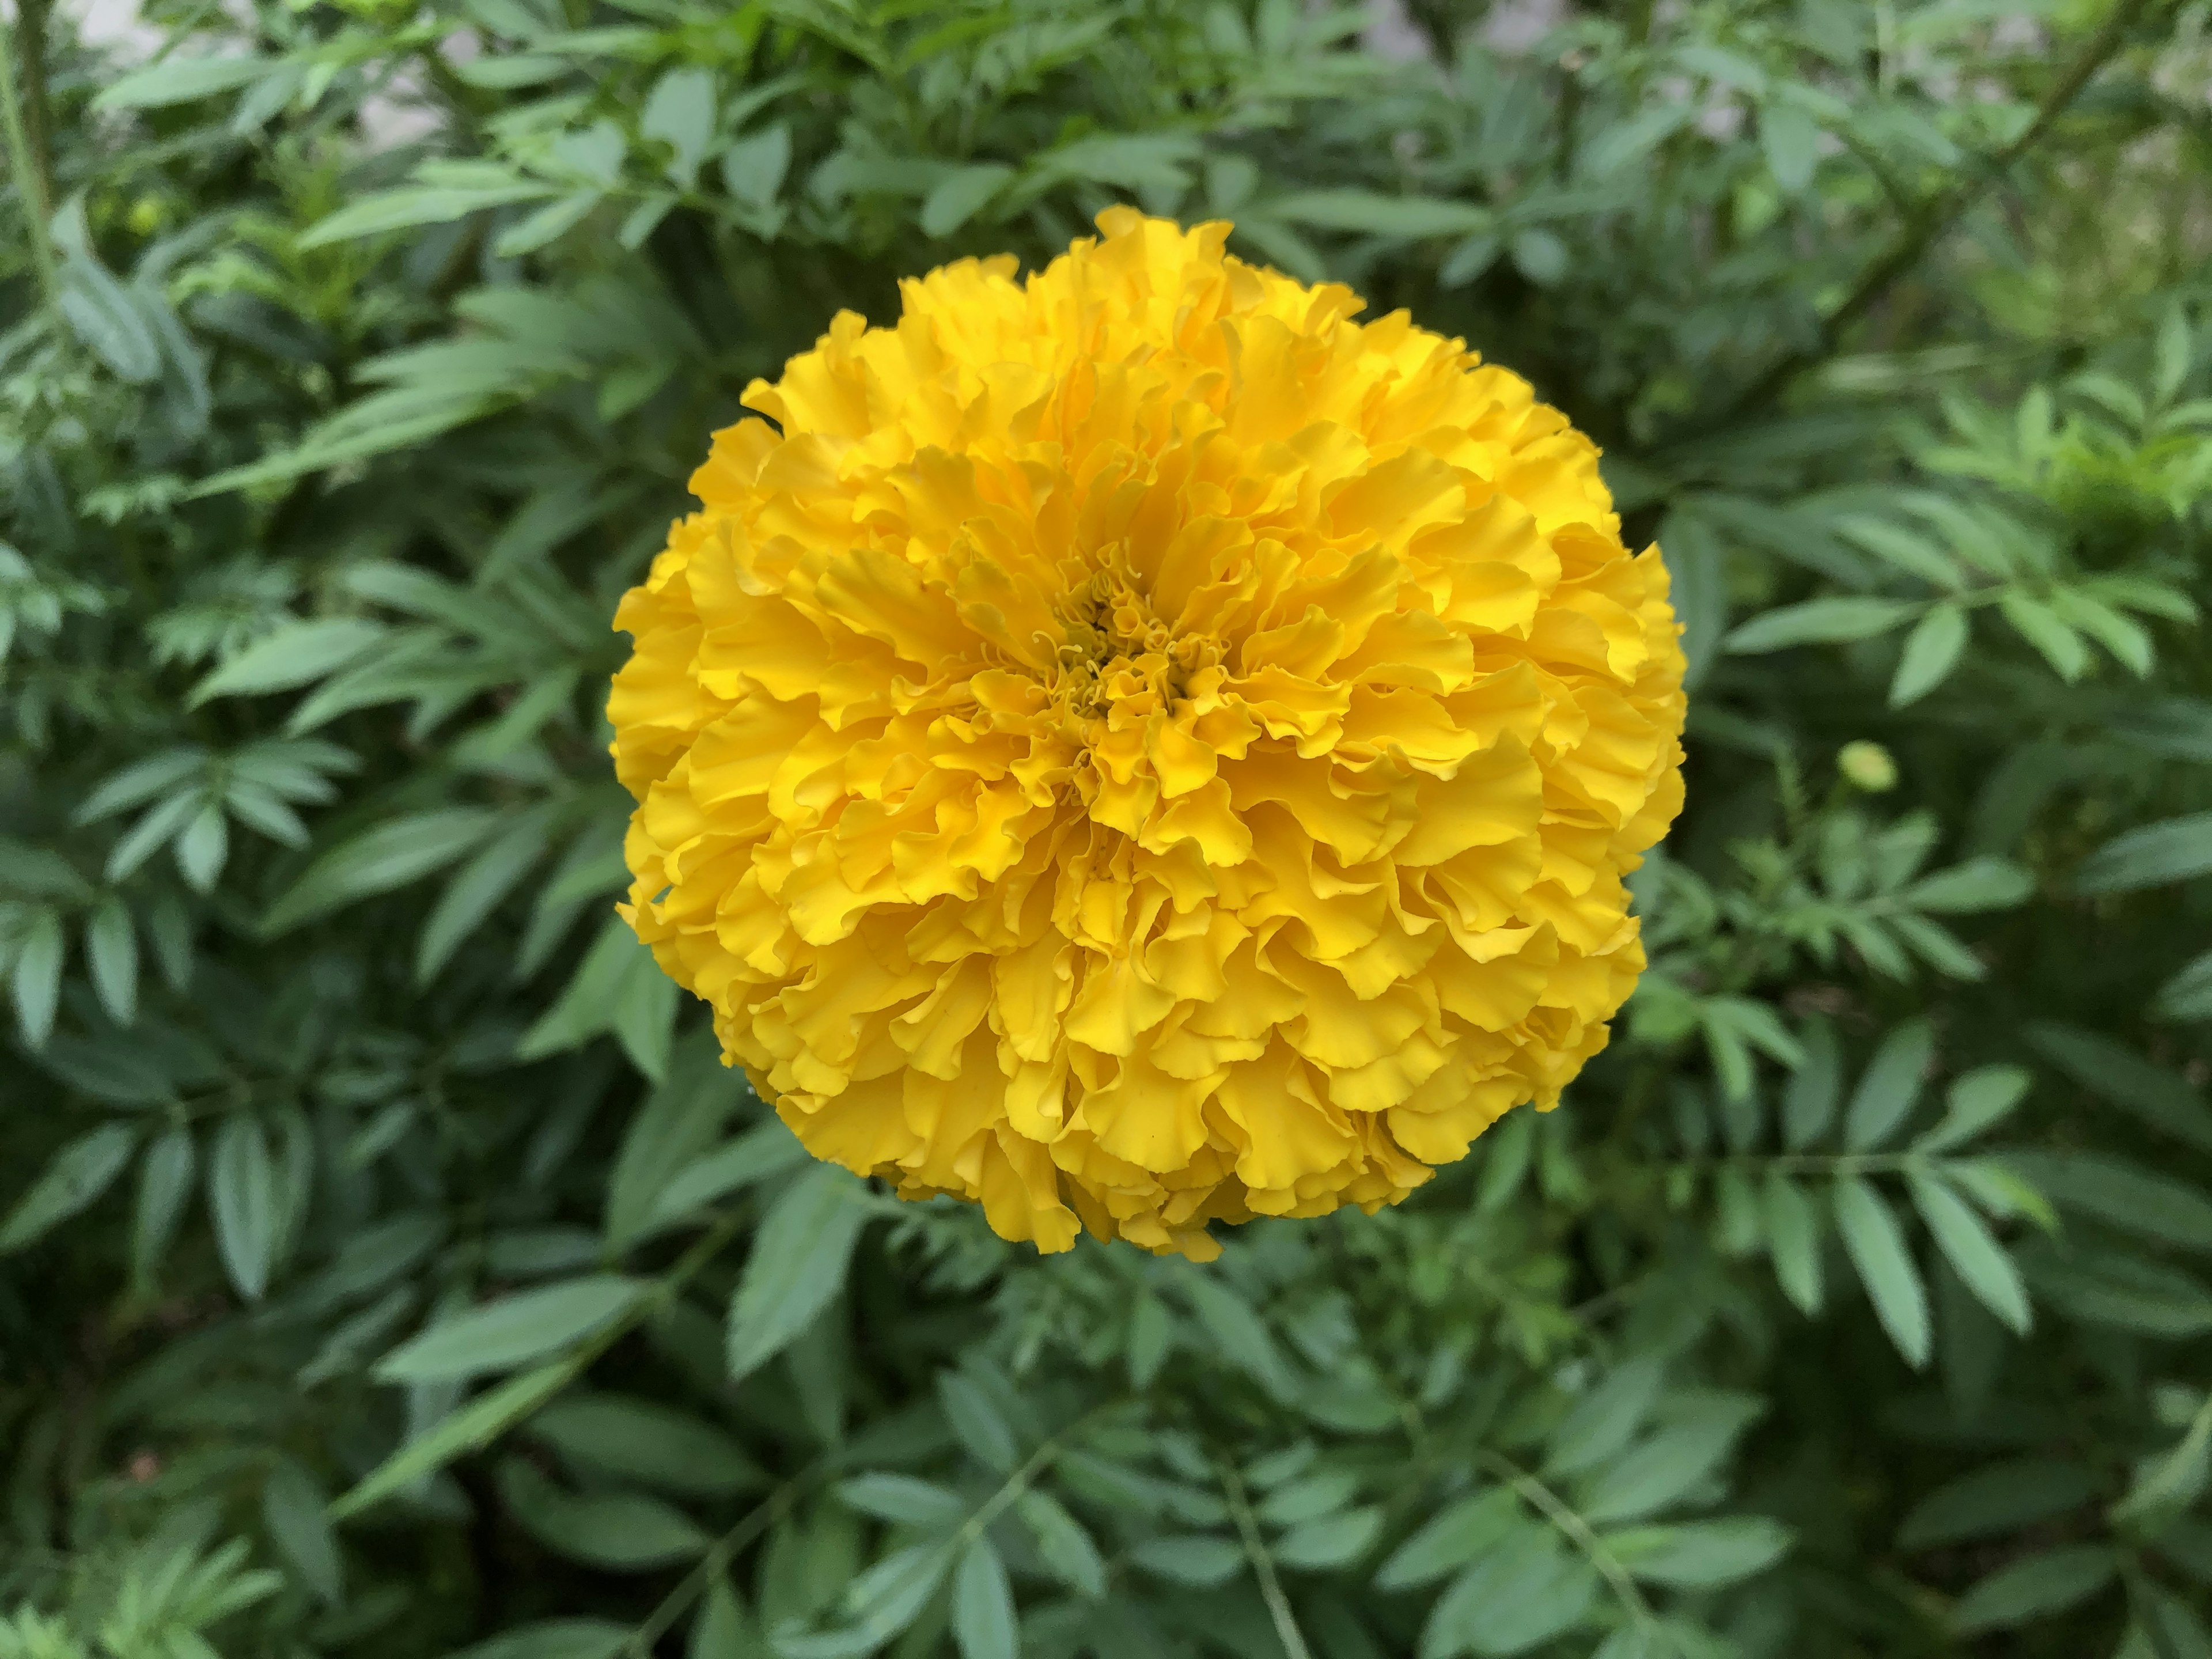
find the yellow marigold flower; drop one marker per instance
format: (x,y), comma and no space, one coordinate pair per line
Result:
(1139,749)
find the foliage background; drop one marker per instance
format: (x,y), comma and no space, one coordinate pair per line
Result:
(391,1271)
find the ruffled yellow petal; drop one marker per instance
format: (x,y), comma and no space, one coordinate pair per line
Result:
(1138,749)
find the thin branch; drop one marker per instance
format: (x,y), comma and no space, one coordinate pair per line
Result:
(1263,1563)
(1575,1529)
(1935,217)
(724,1550)
(22,158)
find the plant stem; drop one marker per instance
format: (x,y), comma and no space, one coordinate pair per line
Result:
(1935,216)
(23,161)
(724,1550)
(1574,1528)
(1263,1564)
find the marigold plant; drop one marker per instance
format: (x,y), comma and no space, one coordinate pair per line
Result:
(1140,748)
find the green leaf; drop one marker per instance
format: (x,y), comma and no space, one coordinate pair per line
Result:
(1368,213)
(477,1424)
(797,1265)
(111,953)
(1332,1540)
(293,1508)
(2115,1072)
(753,167)
(1977,1100)
(2123,1195)
(1664,1469)
(1973,1252)
(1450,1539)
(977,1422)
(1890,1087)
(1815,1089)
(2034,1586)
(960,196)
(2187,996)
(242,1198)
(1062,1544)
(890,1594)
(1979,884)
(180,80)
(1606,1418)
(36,974)
(292,655)
(554,1639)
(72,1182)
(722,1631)
(165,1182)
(547,224)
(1540,256)
(1702,1554)
(1932,650)
(387,856)
(761,1153)
(616,1531)
(905,1500)
(477,889)
(1826,621)
(513,1331)
(2150,855)
(983,1622)
(680,112)
(643,1441)
(1875,1244)
(1793,1237)
(1791,140)
(1203,1563)
(404,209)
(1995,1500)
(668,1140)
(1242,1337)
(2041,626)
(111,321)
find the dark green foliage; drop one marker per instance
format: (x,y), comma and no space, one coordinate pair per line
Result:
(389,1270)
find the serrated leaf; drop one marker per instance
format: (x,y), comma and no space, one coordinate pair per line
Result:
(1890,1086)
(387,856)
(290,656)
(1702,1554)
(983,1622)
(1449,1540)
(1834,620)
(76,1177)
(293,1508)
(1932,650)
(1793,1238)
(2034,1586)
(1973,1252)
(1995,1500)
(35,975)
(960,196)
(513,1331)
(798,1263)
(2150,855)
(1875,1244)
(477,1424)
(242,1198)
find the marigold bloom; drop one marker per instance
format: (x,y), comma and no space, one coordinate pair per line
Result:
(1141,748)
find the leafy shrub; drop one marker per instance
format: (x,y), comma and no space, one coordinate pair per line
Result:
(393,1270)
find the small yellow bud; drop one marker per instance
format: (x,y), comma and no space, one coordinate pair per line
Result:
(147,214)
(1867,766)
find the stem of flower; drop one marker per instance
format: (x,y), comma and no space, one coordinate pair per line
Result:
(1263,1564)
(1574,1528)
(22,154)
